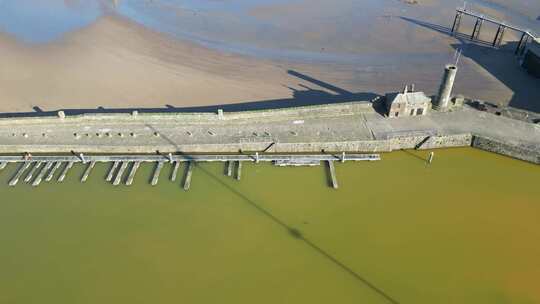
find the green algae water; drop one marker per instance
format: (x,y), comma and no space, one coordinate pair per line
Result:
(465,229)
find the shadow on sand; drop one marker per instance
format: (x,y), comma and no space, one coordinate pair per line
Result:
(499,62)
(325,93)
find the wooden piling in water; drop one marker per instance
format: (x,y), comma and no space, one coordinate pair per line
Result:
(41,174)
(19,173)
(230,165)
(87,171)
(333,176)
(238,170)
(68,166)
(189,173)
(112,170)
(120,173)
(175,171)
(155,179)
(53,170)
(32,171)
(132,172)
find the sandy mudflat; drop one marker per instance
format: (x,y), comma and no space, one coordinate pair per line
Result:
(117,63)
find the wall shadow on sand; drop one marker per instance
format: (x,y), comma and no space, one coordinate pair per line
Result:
(317,93)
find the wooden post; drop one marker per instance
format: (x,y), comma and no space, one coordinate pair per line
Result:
(175,171)
(431,155)
(120,173)
(155,179)
(65,171)
(42,173)
(112,170)
(32,171)
(333,176)
(238,170)
(53,170)
(19,173)
(87,171)
(457,23)
(131,176)
(187,177)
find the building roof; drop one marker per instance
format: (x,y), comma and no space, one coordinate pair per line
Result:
(410,98)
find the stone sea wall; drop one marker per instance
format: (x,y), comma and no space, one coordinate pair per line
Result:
(530,153)
(386,145)
(396,140)
(515,150)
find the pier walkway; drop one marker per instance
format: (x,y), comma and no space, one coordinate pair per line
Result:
(186,158)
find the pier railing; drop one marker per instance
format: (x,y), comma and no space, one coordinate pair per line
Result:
(526,35)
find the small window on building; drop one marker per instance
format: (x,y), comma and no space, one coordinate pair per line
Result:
(412,112)
(420,111)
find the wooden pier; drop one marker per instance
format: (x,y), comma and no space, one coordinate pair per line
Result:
(155,178)
(120,173)
(297,163)
(62,176)
(132,172)
(187,177)
(194,157)
(89,168)
(19,173)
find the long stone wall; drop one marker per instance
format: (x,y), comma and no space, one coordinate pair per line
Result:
(386,145)
(528,153)
(515,150)
(332,128)
(318,111)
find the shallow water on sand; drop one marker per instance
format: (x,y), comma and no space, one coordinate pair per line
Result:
(278,29)
(462,230)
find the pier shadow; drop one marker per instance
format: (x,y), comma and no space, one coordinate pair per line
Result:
(501,63)
(292,231)
(318,93)
(410,153)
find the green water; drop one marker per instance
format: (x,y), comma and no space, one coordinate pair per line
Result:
(464,230)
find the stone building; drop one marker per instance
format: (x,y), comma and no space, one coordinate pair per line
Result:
(407,103)
(531,60)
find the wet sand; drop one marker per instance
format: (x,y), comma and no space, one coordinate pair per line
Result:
(116,63)
(128,59)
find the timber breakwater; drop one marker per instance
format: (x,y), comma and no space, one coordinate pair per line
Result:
(41,166)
